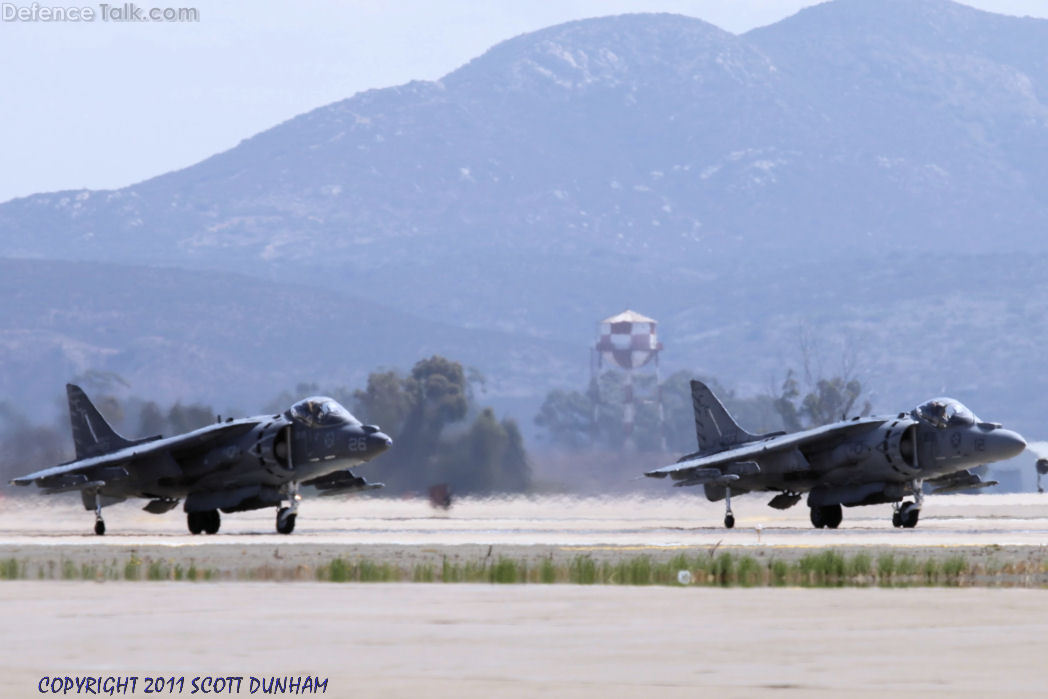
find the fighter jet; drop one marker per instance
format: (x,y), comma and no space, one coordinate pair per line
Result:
(862,461)
(233,466)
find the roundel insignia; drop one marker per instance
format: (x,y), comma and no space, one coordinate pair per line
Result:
(955,439)
(329,440)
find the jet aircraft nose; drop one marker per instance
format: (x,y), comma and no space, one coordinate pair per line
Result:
(379,442)
(1004,444)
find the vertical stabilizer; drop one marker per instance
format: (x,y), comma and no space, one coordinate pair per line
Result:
(715,428)
(92,435)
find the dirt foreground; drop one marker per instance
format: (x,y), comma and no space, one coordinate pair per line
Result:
(490,640)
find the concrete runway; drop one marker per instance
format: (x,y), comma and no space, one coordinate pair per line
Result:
(674,521)
(411,640)
(528,640)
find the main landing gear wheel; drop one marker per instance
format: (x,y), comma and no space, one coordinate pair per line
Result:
(206,521)
(212,521)
(826,516)
(729,521)
(285,520)
(100,527)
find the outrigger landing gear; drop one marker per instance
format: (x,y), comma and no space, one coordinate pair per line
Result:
(286,516)
(100,525)
(907,513)
(729,517)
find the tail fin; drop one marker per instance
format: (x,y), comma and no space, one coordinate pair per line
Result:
(92,435)
(715,428)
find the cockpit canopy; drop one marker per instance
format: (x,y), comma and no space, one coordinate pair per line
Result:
(941,412)
(321,411)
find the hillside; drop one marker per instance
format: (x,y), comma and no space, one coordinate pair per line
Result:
(874,169)
(225,339)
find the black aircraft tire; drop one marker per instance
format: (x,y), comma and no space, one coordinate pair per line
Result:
(896,519)
(833,515)
(285,521)
(100,528)
(817,519)
(195,522)
(212,521)
(729,521)
(909,515)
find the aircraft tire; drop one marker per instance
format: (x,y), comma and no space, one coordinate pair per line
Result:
(817,518)
(100,527)
(729,521)
(195,522)
(285,521)
(908,515)
(212,521)
(832,515)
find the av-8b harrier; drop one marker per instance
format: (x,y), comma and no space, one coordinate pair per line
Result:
(232,466)
(863,461)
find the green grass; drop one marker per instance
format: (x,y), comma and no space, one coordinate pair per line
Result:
(582,571)
(9,569)
(506,570)
(547,572)
(703,569)
(133,569)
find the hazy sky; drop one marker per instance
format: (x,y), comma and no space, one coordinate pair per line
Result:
(104,104)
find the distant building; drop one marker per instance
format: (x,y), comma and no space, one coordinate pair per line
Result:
(629,341)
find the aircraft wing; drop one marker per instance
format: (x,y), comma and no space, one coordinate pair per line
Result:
(341,482)
(705,465)
(77,475)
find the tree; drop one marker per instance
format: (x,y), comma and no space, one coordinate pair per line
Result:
(594,419)
(488,457)
(186,418)
(417,411)
(151,420)
(828,400)
(384,401)
(567,417)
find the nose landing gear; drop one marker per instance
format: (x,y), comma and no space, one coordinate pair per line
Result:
(286,516)
(907,513)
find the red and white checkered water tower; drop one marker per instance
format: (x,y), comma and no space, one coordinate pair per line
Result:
(629,342)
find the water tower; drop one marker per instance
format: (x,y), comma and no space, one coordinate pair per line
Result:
(629,342)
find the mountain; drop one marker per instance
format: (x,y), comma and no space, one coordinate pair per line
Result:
(225,339)
(874,169)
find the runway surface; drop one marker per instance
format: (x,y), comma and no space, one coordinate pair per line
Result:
(400,640)
(527,640)
(680,521)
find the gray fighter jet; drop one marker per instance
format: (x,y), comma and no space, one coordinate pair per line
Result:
(862,461)
(232,466)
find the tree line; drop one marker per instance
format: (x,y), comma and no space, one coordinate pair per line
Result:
(593,418)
